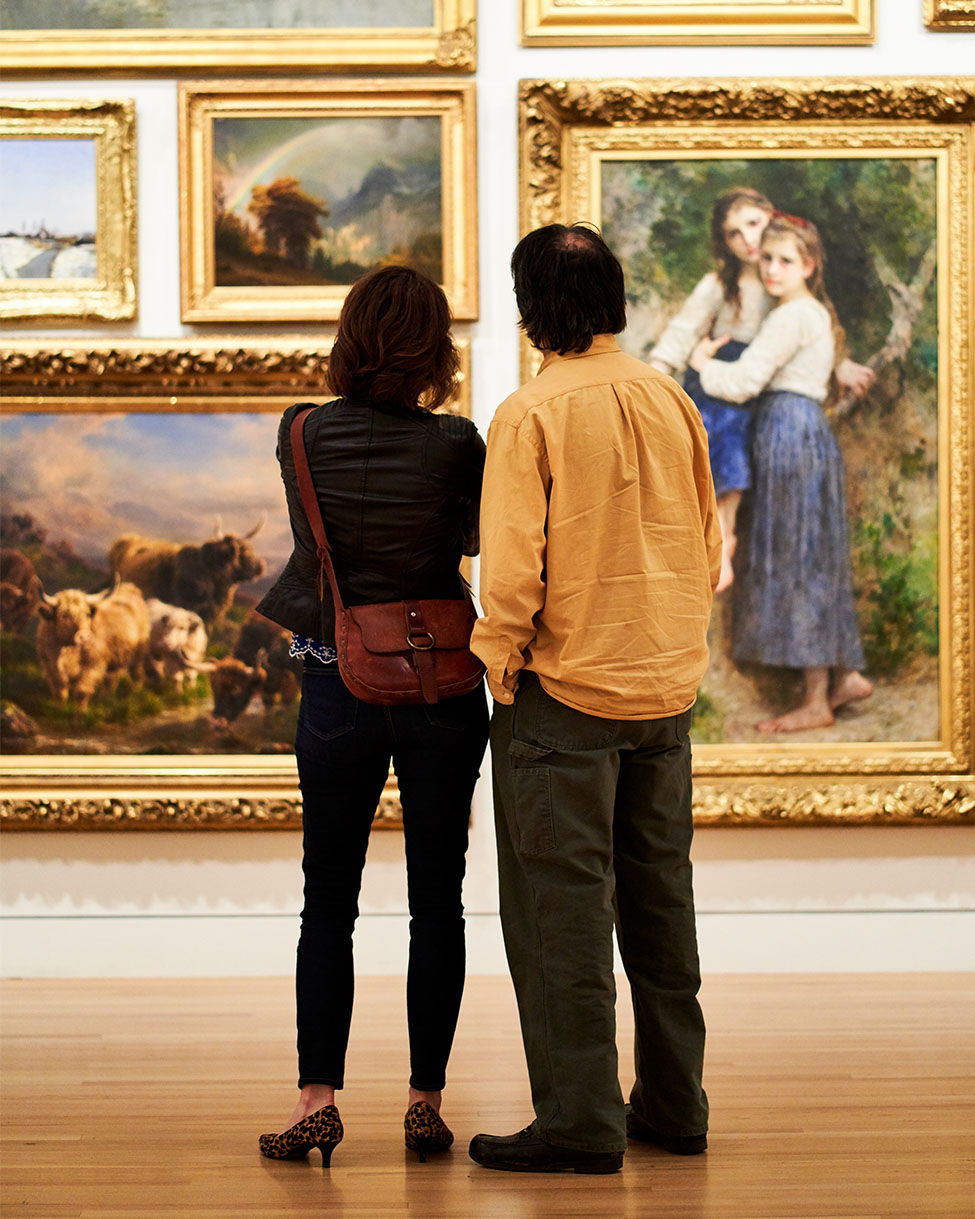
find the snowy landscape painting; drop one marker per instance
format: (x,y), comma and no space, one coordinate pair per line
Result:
(48,209)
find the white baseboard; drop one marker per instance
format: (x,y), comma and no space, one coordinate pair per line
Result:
(246,945)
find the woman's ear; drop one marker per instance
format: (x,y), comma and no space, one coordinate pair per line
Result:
(808,266)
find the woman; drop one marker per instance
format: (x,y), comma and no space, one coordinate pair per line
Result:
(399,489)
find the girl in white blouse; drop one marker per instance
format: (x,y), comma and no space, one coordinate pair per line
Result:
(794,599)
(730,301)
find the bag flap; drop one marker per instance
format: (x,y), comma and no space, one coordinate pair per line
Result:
(384,626)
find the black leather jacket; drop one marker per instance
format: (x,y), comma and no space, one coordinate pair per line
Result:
(399,491)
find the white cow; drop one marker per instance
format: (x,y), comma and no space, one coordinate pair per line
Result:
(177,641)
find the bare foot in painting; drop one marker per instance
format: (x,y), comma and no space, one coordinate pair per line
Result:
(848,688)
(726,579)
(808,715)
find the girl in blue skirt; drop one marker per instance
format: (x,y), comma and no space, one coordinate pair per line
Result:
(794,602)
(730,301)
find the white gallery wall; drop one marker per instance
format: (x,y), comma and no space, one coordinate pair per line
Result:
(226,902)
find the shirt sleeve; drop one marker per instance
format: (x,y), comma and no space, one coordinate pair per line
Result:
(775,344)
(692,322)
(472,498)
(514,511)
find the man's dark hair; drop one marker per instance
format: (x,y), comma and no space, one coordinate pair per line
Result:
(393,342)
(569,287)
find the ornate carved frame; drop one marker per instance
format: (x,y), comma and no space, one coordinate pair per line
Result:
(200,102)
(143,792)
(111,125)
(565,127)
(949,14)
(447,45)
(642,22)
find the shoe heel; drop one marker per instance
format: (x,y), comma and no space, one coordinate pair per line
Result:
(326,1149)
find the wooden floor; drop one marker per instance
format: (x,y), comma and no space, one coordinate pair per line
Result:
(833,1097)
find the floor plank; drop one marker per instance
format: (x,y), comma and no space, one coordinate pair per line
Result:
(835,1097)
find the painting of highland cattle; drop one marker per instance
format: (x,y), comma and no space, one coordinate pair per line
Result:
(134,549)
(48,209)
(308,201)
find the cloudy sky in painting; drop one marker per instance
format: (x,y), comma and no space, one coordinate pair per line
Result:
(330,157)
(49,183)
(89,477)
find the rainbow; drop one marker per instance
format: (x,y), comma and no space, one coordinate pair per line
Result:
(270,163)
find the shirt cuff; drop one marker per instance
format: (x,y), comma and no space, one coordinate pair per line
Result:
(500,693)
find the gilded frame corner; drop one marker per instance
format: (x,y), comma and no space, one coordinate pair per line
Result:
(112,295)
(447,45)
(565,128)
(947,15)
(142,792)
(718,23)
(202,102)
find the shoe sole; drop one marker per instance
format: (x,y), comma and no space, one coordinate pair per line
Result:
(594,1169)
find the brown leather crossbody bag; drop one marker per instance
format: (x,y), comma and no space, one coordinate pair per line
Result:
(392,652)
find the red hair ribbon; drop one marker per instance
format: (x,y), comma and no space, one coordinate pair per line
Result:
(790,219)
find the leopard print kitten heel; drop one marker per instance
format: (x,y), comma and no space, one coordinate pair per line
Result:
(426,1130)
(322,1129)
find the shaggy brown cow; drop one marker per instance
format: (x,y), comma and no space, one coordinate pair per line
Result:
(87,639)
(199,578)
(234,684)
(20,590)
(282,679)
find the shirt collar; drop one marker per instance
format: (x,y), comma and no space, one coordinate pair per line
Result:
(602,344)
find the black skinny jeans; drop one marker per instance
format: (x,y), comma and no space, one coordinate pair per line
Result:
(344,748)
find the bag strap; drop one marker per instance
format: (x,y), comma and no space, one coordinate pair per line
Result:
(309,499)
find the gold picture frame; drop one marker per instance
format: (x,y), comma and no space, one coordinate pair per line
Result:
(142,380)
(448,43)
(408,147)
(717,22)
(86,251)
(945,15)
(576,136)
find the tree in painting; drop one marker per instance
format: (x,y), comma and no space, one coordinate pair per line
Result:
(288,219)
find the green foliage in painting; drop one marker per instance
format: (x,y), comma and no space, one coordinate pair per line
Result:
(899,590)
(871,212)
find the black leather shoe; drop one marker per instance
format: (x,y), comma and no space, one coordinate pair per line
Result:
(526,1152)
(676,1144)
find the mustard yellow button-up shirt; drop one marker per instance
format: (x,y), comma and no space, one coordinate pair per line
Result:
(600,540)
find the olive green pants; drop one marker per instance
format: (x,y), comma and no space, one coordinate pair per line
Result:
(594,829)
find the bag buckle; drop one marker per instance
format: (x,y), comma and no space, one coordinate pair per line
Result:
(421,647)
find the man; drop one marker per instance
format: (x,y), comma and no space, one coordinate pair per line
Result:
(601,549)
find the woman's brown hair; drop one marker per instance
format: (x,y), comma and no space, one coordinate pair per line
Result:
(393,343)
(729,267)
